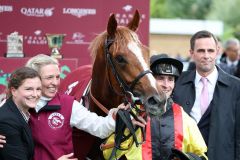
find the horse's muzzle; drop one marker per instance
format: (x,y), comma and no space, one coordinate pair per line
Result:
(155,105)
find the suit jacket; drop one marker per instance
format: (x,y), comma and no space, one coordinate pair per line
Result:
(220,124)
(19,144)
(230,70)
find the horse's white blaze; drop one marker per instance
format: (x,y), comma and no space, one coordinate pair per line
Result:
(152,81)
(132,46)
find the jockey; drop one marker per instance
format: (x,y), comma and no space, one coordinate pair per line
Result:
(174,135)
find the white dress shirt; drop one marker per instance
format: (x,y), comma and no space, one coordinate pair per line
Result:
(83,119)
(212,80)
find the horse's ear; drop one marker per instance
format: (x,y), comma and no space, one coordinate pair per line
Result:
(112,26)
(133,24)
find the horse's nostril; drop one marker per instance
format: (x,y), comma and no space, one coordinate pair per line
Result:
(152,101)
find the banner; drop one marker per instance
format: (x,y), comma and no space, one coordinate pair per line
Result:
(80,20)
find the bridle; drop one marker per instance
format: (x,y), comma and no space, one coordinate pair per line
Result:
(124,120)
(126,89)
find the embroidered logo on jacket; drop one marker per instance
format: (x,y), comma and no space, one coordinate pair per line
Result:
(55,120)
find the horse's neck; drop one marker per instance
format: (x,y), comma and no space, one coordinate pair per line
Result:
(103,92)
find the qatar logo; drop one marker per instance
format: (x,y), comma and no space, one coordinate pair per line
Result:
(55,120)
(37,12)
(79,12)
(5,8)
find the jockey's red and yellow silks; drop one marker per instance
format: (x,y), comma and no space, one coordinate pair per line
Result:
(147,147)
(175,129)
(178,126)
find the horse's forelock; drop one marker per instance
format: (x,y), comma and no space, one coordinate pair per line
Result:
(126,34)
(123,36)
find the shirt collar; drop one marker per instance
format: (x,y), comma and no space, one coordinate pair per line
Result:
(41,103)
(26,115)
(212,77)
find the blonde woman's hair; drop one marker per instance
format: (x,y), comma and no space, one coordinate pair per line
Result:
(40,60)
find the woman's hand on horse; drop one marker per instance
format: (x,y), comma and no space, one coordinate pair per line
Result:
(2,141)
(140,122)
(121,106)
(124,106)
(67,157)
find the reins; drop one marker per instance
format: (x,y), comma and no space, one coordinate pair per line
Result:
(104,109)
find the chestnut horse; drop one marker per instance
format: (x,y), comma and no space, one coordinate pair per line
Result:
(120,66)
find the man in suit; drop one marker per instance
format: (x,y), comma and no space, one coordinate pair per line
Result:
(231,63)
(215,104)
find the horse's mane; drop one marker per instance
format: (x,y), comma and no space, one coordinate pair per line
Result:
(123,35)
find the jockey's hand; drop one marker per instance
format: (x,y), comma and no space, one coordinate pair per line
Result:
(67,157)
(2,141)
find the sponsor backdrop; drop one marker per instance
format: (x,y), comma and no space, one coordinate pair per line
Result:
(80,20)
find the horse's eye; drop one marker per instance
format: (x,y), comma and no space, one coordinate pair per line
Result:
(120,59)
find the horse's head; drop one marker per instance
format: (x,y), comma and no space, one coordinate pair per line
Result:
(121,64)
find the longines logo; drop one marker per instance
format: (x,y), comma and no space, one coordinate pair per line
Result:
(5,8)
(123,18)
(36,38)
(79,12)
(37,12)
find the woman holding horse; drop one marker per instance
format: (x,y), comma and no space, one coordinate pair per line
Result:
(54,116)
(24,91)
